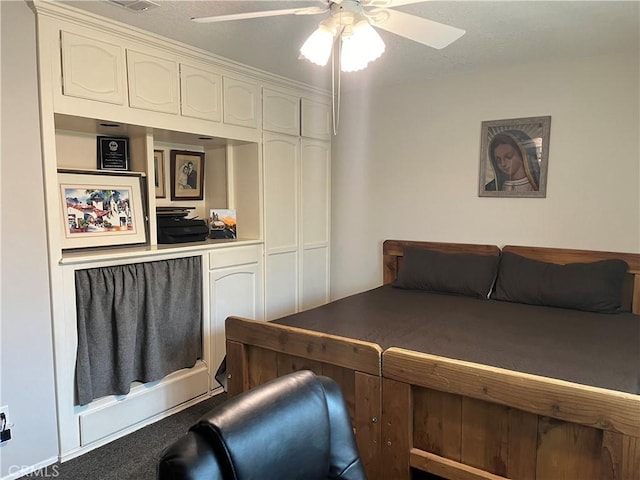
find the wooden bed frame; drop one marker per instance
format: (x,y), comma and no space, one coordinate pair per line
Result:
(455,419)
(260,351)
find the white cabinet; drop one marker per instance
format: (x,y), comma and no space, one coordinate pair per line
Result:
(153,82)
(316,119)
(315,175)
(190,94)
(235,288)
(103,78)
(281,157)
(280,112)
(297,219)
(201,93)
(92,69)
(241,102)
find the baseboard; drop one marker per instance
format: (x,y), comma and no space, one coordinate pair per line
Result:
(110,438)
(45,469)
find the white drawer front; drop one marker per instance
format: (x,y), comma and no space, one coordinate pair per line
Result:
(228,257)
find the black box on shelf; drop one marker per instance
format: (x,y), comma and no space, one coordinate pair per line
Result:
(181,230)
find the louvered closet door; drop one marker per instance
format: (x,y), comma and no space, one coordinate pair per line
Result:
(281,157)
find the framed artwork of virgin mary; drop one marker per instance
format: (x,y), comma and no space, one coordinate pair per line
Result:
(514,157)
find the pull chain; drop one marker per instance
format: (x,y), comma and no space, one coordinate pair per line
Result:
(335,98)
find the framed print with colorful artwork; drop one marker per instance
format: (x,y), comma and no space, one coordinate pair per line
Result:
(101,209)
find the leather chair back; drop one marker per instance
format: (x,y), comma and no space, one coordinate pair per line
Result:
(295,427)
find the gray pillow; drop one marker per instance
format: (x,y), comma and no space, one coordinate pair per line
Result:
(594,287)
(466,274)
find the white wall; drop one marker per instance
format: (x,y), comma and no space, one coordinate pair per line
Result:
(406,163)
(26,362)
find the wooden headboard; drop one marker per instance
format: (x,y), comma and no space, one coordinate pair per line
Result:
(393,251)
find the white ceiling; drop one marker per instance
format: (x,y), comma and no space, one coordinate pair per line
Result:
(498,34)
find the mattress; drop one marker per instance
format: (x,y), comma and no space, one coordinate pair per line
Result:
(601,350)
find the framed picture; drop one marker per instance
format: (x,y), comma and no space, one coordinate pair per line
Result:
(101,209)
(113,153)
(222,223)
(158,165)
(187,179)
(514,157)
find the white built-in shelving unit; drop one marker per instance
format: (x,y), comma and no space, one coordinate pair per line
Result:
(267,151)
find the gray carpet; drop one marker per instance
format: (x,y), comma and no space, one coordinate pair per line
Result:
(135,455)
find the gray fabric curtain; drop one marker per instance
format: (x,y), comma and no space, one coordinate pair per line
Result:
(136,322)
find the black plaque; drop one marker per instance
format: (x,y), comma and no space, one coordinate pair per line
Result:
(113,153)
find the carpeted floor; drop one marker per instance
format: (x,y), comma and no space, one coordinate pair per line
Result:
(135,455)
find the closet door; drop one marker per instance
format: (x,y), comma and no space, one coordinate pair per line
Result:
(315,177)
(281,157)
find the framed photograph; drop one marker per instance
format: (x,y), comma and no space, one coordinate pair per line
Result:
(187,179)
(113,153)
(101,209)
(158,165)
(514,157)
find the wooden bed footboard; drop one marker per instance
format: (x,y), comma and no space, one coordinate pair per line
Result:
(260,351)
(461,420)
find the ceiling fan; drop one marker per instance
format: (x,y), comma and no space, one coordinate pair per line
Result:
(350,23)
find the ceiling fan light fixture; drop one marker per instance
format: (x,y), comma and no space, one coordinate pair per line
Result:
(317,48)
(349,29)
(360,47)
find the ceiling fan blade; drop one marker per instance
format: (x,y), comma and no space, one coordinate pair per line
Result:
(390,3)
(418,29)
(265,13)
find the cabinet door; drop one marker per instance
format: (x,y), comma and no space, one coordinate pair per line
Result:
(281,157)
(92,69)
(240,102)
(316,119)
(201,93)
(234,290)
(153,82)
(281,277)
(315,175)
(315,277)
(280,112)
